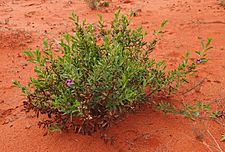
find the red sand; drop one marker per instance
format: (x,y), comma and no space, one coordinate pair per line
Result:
(23,23)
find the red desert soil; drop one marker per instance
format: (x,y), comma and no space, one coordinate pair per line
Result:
(23,23)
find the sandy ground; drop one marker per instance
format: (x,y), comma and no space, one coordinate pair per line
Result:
(23,24)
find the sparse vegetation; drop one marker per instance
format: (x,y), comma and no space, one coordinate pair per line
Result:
(95,4)
(195,111)
(189,111)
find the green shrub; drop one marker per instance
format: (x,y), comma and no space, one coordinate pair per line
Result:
(105,4)
(101,74)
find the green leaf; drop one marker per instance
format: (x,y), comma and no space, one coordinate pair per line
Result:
(222,139)
(45,44)
(208,43)
(163,23)
(16,83)
(28,53)
(203,45)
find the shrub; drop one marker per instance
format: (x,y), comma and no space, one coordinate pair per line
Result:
(101,74)
(93,4)
(105,4)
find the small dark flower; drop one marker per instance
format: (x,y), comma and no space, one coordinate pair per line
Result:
(69,82)
(198,61)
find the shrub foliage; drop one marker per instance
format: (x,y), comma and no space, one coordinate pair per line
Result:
(101,73)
